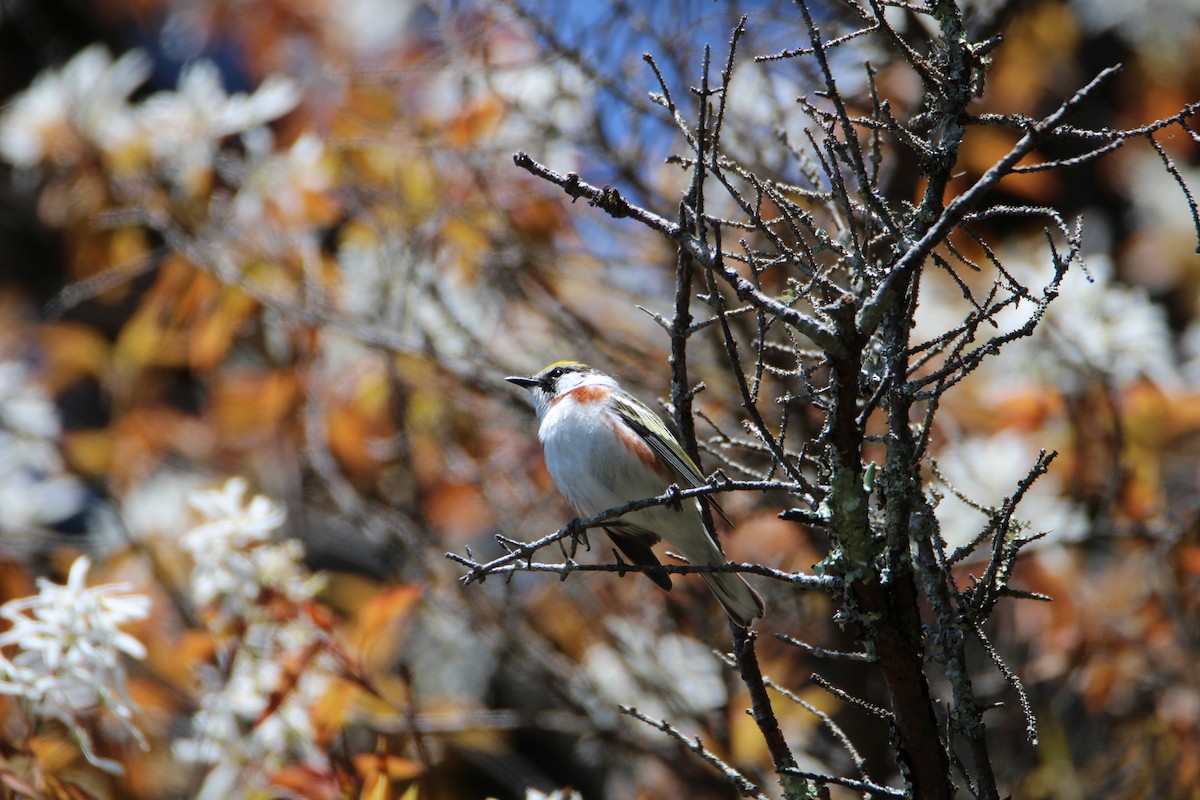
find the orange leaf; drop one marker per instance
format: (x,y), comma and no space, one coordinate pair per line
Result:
(178,662)
(128,245)
(983,147)
(345,593)
(14,581)
(247,403)
(373,765)
(73,351)
(350,434)
(746,743)
(1189,559)
(375,636)
(147,339)
(340,700)
(58,789)
(213,332)
(458,511)
(153,335)
(476,120)
(142,437)
(152,696)
(539,218)
(308,782)
(53,753)
(377,789)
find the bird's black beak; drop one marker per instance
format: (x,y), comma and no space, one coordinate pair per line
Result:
(528,383)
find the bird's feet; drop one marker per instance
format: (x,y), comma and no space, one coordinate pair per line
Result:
(577,535)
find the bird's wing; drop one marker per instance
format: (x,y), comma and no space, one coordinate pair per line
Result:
(655,433)
(635,543)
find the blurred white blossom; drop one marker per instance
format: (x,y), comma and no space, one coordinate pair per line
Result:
(1155,27)
(25,409)
(200,110)
(85,105)
(369,27)
(231,523)
(35,489)
(557,794)
(1096,327)
(188,124)
(1161,250)
(986,470)
(1190,345)
(372,286)
(280,181)
(69,649)
(1157,199)
(86,102)
(421,297)
(254,718)
(1101,326)
(151,507)
(545,103)
(663,675)
(236,557)
(254,714)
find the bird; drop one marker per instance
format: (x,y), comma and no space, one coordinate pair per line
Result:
(604,448)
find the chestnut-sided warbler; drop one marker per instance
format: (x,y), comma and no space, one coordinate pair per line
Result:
(603,449)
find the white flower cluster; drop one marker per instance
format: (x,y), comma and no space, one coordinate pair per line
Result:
(87,101)
(1101,326)
(1097,326)
(237,559)
(69,650)
(35,489)
(276,184)
(254,712)
(253,719)
(85,104)
(188,124)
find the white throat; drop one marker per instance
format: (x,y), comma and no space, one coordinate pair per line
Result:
(568,383)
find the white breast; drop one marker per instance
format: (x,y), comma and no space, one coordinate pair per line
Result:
(588,462)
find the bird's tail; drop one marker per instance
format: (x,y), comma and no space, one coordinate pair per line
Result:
(686,532)
(739,600)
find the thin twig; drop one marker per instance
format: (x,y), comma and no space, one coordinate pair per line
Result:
(610,201)
(871,313)
(523,551)
(799,579)
(821,652)
(744,785)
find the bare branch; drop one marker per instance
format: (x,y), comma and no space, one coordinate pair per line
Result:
(744,785)
(610,201)
(523,551)
(871,312)
(798,579)
(1171,169)
(821,652)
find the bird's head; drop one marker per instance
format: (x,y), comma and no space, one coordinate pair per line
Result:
(558,378)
